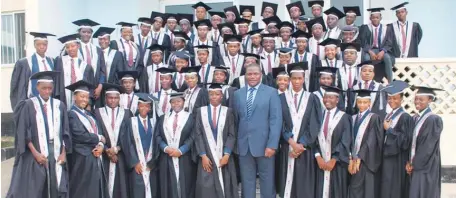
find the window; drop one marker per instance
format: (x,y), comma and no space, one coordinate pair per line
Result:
(13,37)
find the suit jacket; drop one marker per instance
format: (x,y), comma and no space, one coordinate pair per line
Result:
(262,129)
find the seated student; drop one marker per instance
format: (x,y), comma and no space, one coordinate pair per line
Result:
(195,96)
(331,51)
(378,102)
(206,72)
(182,60)
(174,134)
(128,99)
(233,58)
(328,77)
(255,46)
(166,78)
(282,79)
(180,42)
(215,138)
(301,55)
(149,79)
(333,148)
(240,81)
(142,170)
(286,29)
(366,152)
(285,55)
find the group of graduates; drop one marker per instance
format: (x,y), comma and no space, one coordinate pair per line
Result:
(154,115)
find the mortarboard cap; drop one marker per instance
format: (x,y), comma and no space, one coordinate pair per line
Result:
(165,71)
(128,75)
(186,18)
(176,95)
(85,23)
(191,70)
(400,6)
(255,32)
(301,35)
(201,4)
(350,46)
(395,87)
(329,42)
(202,47)
(242,21)
(349,28)
(221,68)
(316,3)
(335,12)
(180,35)
(285,24)
(232,9)
(81,86)
(112,88)
(297,4)
(247,8)
(40,35)
(303,18)
(268,5)
(375,10)
(363,93)
(103,32)
(285,50)
(219,14)
(426,91)
(299,67)
(327,70)
(125,25)
(145,21)
(352,10)
(155,48)
(69,39)
(145,98)
(368,63)
(316,22)
(331,90)
(269,36)
(251,55)
(274,20)
(183,55)
(170,17)
(203,23)
(279,71)
(157,16)
(230,26)
(44,76)
(232,38)
(215,86)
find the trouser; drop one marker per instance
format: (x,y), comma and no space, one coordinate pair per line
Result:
(51,188)
(264,166)
(387,62)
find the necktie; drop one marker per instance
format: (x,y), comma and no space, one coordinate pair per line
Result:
(215,33)
(45,66)
(214,117)
(202,74)
(145,125)
(318,49)
(325,126)
(92,123)
(296,101)
(301,58)
(165,103)
(269,63)
(233,65)
(89,56)
(175,123)
(113,120)
(172,37)
(180,80)
(129,101)
(375,37)
(417,118)
(250,102)
(45,109)
(389,115)
(366,85)
(73,72)
(157,81)
(329,33)
(156,36)
(331,63)
(143,42)
(404,39)
(350,83)
(130,55)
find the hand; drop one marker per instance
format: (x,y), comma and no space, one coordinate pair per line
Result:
(40,158)
(386,124)
(380,55)
(62,158)
(298,148)
(176,153)
(409,168)
(224,160)
(321,163)
(114,158)
(350,166)
(103,140)
(138,168)
(331,164)
(169,150)
(357,164)
(206,163)
(109,152)
(97,91)
(97,151)
(268,152)
(372,55)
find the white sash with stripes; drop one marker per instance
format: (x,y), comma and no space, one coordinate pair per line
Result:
(360,134)
(398,34)
(416,132)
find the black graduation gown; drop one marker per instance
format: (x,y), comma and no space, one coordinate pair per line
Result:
(175,83)
(425,180)
(208,184)
(228,96)
(377,108)
(121,178)
(29,179)
(305,165)
(417,34)
(143,79)
(396,153)
(138,65)
(362,184)
(87,174)
(117,65)
(202,99)
(340,150)
(187,167)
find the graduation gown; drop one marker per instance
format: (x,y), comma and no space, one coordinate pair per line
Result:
(21,87)
(208,75)
(425,154)
(214,57)
(195,99)
(114,64)
(413,39)
(215,141)
(179,84)
(311,76)
(120,46)
(141,146)
(367,146)
(132,106)
(378,99)
(83,72)
(316,49)
(171,59)
(117,178)
(228,95)
(29,179)
(88,176)
(238,66)
(183,139)
(296,177)
(150,79)
(336,145)
(162,106)
(98,62)
(139,42)
(396,153)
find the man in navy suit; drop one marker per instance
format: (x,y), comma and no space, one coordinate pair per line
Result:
(259,116)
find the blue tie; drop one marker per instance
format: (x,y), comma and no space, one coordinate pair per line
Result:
(250,102)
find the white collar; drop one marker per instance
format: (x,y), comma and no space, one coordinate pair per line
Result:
(40,57)
(167,91)
(299,92)
(123,40)
(106,50)
(350,66)
(235,56)
(217,107)
(44,102)
(192,89)
(332,111)
(400,23)
(422,112)
(362,114)
(84,44)
(142,119)
(256,87)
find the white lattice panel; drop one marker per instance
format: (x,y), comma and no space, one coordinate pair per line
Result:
(437,73)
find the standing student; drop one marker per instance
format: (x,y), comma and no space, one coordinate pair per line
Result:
(207,69)
(424,166)
(128,48)
(349,74)
(170,21)
(286,29)
(317,8)
(232,14)
(21,86)
(42,141)
(144,38)
(269,54)
(407,34)
(332,49)
(214,142)
(317,27)
(195,96)
(302,55)
(113,58)
(174,135)
(247,12)
(159,36)
(163,95)
(186,24)
(366,151)
(296,10)
(271,25)
(128,99)
(267,10)
(398,126)
(255,46)
(221,74)
(243,29)
(233,58)
(182,61)
(216,19)
(201,10)
(285,59)
(282,79)
(301,114)
(333,149)
(332,21)
(149,80)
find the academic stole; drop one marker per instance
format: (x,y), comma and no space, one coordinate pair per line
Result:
(296,116)
(108,61)
(215,145)
(360,130)
(143,156)
(132,106)
(44,129)
(173,138)
(35,67)
(394,119)
(307,72)
(79,68)
(416,132)
(242,81)
(190,102)
(398,34)
(325,147)
(94,59)
(320,95)
(374,87)
(113,137)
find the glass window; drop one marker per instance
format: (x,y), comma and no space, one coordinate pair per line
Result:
(13,37)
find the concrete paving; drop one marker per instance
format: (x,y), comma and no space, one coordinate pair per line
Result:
(448,190)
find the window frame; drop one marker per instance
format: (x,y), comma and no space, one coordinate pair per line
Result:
(14,27)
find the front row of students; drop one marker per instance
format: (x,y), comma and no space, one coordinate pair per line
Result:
(187,151)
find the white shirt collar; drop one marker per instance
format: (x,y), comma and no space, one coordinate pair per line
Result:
(362,114)
(192,89)
(217,107)
(299,92)
(422,112)
(400,23)
(235,56)
(332,111)
(44,102)
(142,119)
(256,87)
